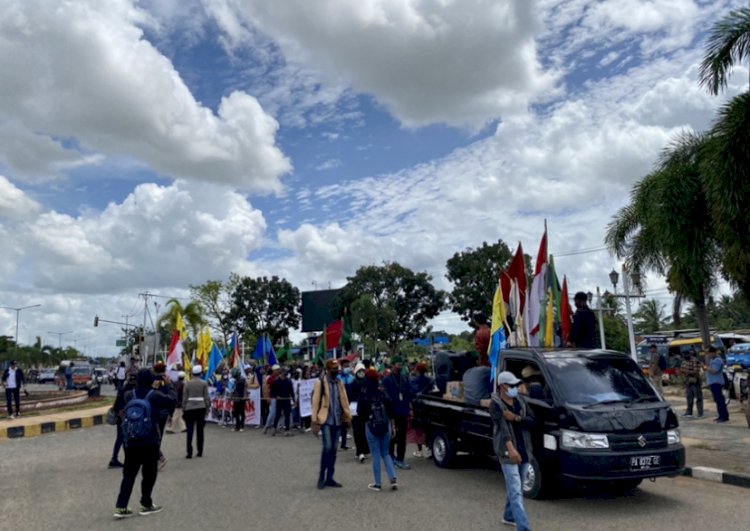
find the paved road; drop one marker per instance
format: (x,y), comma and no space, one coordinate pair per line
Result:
(247,480)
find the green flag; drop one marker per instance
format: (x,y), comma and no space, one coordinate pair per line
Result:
(320,354)
(346,335)
(284,352)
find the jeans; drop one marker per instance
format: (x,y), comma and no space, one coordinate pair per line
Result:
(330,436)
(721,406)
(398,442)
(271,413)
(360,438)
(285,407)
(694,392)
(514,510)
(343,437)
(118,442)
(195,418)
(379,446)
(147,458)
(13,395)
(238,410)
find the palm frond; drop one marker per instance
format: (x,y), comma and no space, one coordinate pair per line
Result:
(728,43)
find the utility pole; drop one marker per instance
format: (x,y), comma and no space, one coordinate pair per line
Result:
(18,313)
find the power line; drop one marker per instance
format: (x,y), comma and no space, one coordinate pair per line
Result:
(580,251)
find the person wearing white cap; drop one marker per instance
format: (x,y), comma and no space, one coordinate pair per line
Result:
(195,403)
(512,443)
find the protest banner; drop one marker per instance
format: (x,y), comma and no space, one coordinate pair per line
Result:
(305,397)
(221,407)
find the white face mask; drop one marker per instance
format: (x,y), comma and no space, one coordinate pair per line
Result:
(513,392)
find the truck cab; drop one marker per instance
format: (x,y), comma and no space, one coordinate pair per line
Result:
(598,421)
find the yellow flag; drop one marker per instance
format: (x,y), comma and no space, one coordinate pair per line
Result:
(187,366)
(549,328)
(180,325)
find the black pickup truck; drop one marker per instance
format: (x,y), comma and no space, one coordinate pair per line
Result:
(598,421)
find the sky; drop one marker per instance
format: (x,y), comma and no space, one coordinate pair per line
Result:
(146,146)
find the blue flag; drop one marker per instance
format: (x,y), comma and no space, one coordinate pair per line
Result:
(213,362)
(265,348)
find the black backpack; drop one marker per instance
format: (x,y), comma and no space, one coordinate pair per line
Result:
(378,421)
(662,362)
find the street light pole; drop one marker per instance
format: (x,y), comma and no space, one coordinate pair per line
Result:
(18,313)
(600,311)
(631,333)
(59,337)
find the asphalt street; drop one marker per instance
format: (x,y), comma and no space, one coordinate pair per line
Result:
(60,481)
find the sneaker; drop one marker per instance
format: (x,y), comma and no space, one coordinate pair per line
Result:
(402,465)
(288,434)
(361,458)
(241,430)
(344,447)
(11,417)
(123,512)
(509,522)
(373,486)
(721,421)
(417,454)
(394,484)
(150,510)
(427,453)
(686,415)
(114,463)
(699,416)
(333,483)
(265,430)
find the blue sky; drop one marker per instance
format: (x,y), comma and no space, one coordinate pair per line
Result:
(150,145)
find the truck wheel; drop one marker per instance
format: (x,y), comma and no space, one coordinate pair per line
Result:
(531,483)
(443,450)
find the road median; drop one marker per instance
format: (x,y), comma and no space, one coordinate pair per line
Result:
(34,426)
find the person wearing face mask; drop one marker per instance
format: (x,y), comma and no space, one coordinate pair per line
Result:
(357,390)
(512,421)
(398,389)
(347,378)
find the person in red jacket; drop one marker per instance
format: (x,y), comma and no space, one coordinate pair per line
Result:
(482,338)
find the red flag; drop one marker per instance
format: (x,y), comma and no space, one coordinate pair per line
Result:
(175,352)
(516,271)
(566,314)
(541,256)
(334,333)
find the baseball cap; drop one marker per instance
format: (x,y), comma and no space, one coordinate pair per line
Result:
(507,377)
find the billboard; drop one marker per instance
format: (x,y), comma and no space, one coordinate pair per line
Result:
(317,309)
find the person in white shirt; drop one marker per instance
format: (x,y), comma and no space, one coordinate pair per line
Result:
(120,375)
(13,381)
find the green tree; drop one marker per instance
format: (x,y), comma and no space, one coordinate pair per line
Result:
(650,316)
(215,297)
(264,306)
(728,43)
(475,274)
(667,227)
(391,303)
(615,333)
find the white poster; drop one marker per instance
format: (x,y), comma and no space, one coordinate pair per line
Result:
(221,408)
(305,392)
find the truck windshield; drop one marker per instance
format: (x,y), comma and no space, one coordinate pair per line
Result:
(592,381)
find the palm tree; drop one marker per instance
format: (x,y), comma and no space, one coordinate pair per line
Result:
(728,43)
(667,227)
(192,313)
(650,316)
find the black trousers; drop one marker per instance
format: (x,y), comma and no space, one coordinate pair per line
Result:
(398,442)
(118,442)
(238,410)
(283,406)
(195,419)
(360,439)
(11,395)
(146,459)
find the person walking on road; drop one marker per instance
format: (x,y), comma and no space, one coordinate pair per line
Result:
(283,391)
(375,409)
(657,364)
(398,389)
(268,391)
(691,370)
(176,423)
(119,408)
(715,380)
(13,382)
(69,376)
(511,421)
(195,403)
(141,438)
(330,411)
(356,392)
(239,399)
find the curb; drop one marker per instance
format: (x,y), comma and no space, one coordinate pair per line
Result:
(718,476)
(52,426)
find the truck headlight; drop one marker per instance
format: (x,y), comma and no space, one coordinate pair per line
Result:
(673,437)
(589,441)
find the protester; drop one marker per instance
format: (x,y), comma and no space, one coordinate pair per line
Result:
(533,383)
(119,408)
(283,391)
(270,379)
(512,421)
(583,334)
(120,375)
(175,421)
(398,389)
(239,399)
(13,382)
(375,408)
(357,390)
(657,363)
(195,403)
(163,384)
(347,378)
(330,411)
(715,380)
(482,338)
(132,367)
(421,383)
(691,370)
(69,376)
(477,386)
(142,452)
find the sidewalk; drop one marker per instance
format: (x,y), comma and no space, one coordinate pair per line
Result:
(717,452)
(52,422)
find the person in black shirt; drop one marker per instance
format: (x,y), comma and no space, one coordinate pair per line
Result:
(583,334)
(283,390)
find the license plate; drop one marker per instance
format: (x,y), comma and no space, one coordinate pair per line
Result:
(645,462)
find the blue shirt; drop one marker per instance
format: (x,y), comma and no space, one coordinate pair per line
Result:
(718,378)
(334,404)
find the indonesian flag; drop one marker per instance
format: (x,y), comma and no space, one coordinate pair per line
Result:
(175,351)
